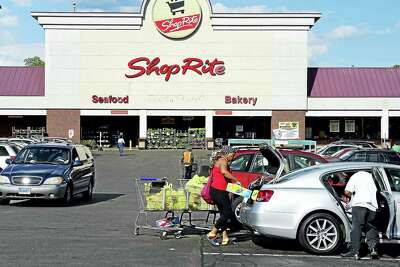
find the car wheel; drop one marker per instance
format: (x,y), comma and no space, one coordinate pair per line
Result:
(236,205)
(87,195)
(67,199)
(5,202)
(320,234)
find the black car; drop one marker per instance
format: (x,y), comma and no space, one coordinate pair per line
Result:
(371,155)
(360,143)
(49,171)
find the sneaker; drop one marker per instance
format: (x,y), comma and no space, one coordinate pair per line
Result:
(374,254)
(351,254)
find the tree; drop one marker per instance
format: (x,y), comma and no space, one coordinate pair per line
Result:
(34,62)
(396,66)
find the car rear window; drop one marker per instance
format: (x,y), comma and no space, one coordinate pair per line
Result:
(3,152)
(392,157)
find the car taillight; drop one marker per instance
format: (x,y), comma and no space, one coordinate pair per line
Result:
(264,195)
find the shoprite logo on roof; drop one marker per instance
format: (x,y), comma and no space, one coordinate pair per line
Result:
(177,19)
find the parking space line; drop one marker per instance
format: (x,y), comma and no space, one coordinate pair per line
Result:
(284,255)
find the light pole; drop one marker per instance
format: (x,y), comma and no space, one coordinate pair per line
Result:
(74,5)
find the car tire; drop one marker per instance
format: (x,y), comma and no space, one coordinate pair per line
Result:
(68,195)
(88,195)
(5,202)
(236,205)
(320,234)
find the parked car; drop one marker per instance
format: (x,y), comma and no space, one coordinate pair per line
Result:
(328,150)
(251,165)
(360,143)
(369,155)
(49,171)
(6,152)
(306,205)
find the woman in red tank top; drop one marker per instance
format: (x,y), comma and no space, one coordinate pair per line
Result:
(221,176)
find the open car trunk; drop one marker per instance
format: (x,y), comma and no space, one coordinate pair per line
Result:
(273,166)
(336,184)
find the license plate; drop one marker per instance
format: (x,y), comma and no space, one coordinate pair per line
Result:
(24,191)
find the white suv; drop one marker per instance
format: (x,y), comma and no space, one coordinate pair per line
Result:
(6,152)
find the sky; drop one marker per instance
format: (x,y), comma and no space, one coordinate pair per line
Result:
(360,33)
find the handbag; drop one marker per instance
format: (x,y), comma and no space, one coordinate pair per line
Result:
(205,192)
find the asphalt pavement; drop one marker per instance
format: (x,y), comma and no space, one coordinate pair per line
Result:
(99,232)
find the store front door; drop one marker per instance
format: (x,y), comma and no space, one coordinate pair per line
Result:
(242,128)
(106,129)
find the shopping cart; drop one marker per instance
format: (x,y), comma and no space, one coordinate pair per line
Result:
(176,6)
(153,196)
(157,196)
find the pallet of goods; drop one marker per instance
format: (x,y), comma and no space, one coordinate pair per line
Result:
(169,138)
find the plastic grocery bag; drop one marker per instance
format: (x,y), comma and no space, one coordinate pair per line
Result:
(239,190)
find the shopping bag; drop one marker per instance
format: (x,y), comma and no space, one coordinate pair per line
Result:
(205,193)
(239,190)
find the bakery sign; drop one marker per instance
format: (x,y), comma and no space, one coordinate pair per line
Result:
(177,19)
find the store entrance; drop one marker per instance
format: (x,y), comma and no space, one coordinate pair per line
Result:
(22,126)
(242,128)
(394,130)
(173,132)
(110,128)
(325,130)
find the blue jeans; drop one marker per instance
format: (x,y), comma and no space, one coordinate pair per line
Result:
(121,149)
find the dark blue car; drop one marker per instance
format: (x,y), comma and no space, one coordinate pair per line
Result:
(49,171)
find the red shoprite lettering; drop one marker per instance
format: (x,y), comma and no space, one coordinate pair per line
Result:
(144,65)
(178,24)
(110,100)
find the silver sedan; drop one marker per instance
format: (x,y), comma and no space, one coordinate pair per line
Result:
(306,205)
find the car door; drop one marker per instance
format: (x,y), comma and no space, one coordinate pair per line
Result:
(84,170)
(384,189)
(240,167)
(393,176)
(76,172)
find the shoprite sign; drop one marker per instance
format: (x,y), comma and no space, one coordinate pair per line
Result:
(177,19)
(145,66)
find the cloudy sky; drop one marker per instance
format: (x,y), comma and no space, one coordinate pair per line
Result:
(351,32)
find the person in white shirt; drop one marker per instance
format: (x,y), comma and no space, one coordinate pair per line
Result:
(121,145)
(361,189)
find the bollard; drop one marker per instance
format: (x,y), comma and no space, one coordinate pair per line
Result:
(130,144)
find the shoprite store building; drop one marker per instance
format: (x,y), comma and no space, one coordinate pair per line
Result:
(177,64)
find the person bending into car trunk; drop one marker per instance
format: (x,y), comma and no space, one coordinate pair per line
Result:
(221,175)
(361,189)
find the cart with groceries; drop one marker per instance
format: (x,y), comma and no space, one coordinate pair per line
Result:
(174,204)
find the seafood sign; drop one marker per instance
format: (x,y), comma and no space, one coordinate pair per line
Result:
(144,66)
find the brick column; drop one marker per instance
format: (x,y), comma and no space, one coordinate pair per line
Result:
(288,115)
(60,121)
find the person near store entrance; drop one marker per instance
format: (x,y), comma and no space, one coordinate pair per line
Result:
(187,161)
(121,145)
(361,189)
(220,173)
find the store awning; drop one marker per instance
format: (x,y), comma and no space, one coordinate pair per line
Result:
(22,81)
(353,82)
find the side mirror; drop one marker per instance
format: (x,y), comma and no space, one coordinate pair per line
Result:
(9,161)
(77,163)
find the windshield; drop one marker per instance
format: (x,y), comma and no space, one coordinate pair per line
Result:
(43,155)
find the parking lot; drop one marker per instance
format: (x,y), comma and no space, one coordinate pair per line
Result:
(99,232)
